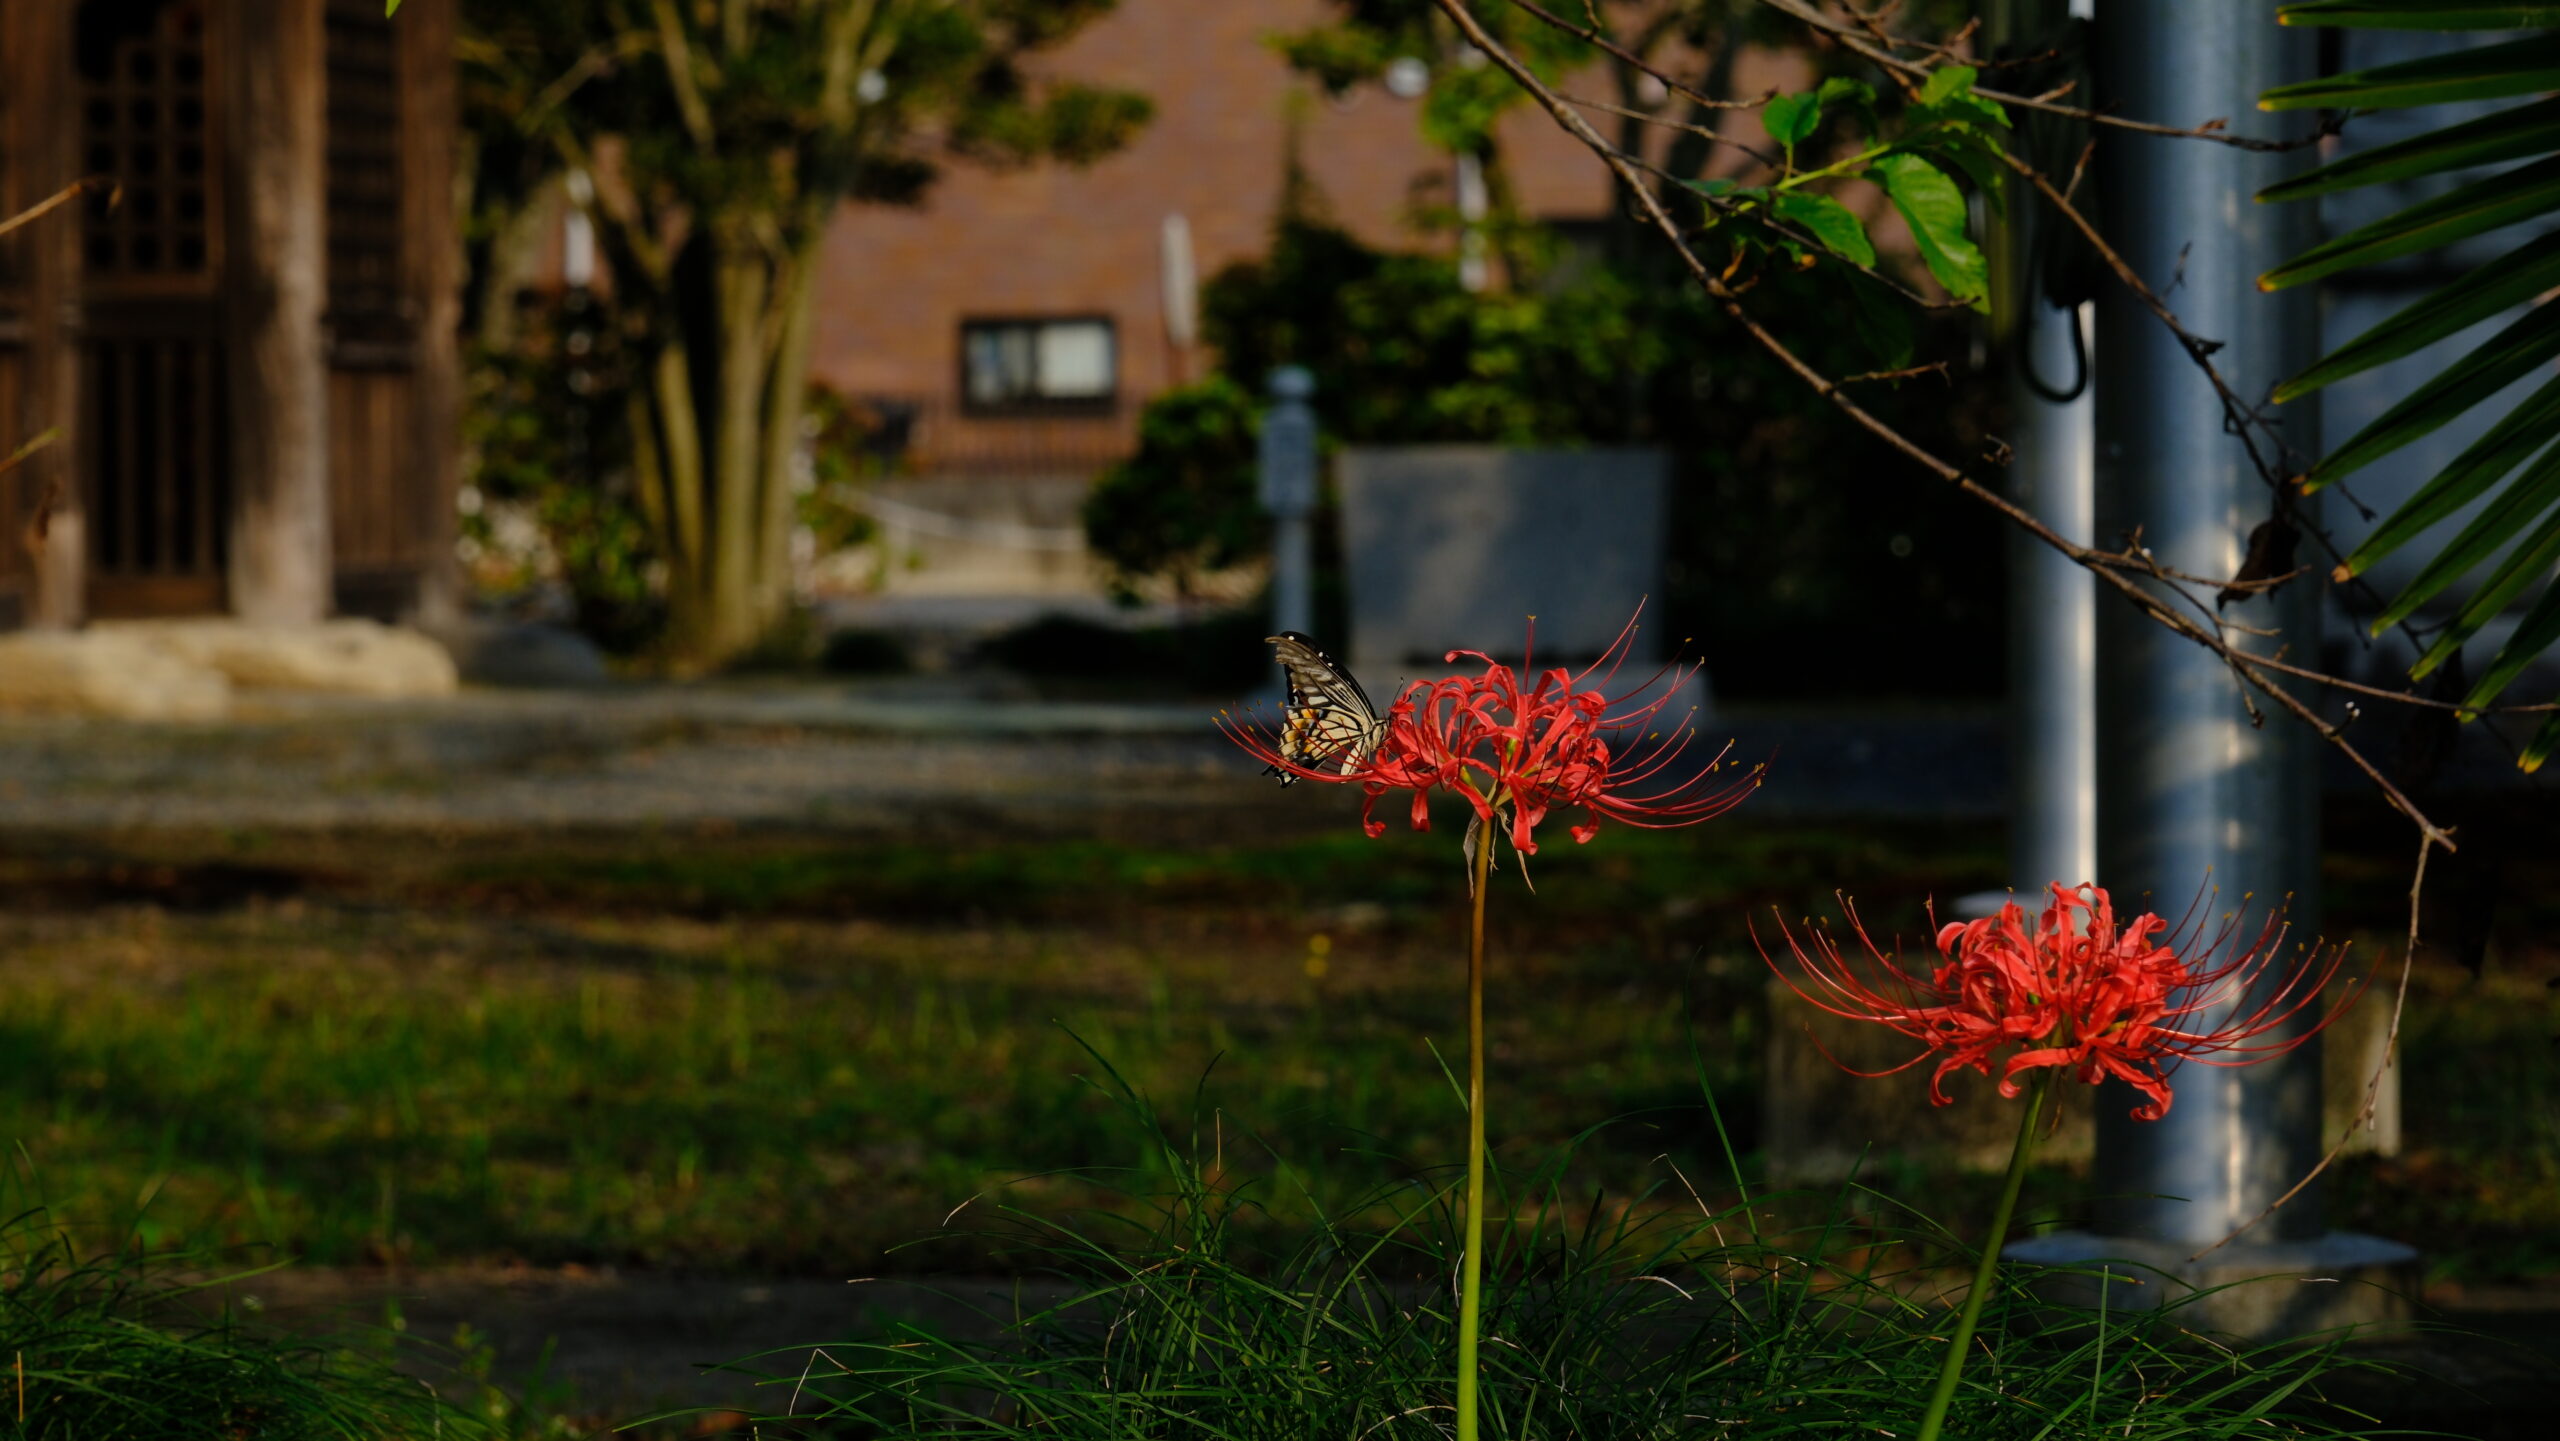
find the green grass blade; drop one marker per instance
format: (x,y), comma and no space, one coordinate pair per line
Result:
(2497,362)
(2482,464)
(2475,209)
(2527,497)
(2539,749)
(2519,67)
(2536,633)
(2512,279)
(2421,14)
(2528,562)
(2508,135)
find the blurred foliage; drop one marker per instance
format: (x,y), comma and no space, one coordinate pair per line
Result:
(1183,505)
(1220,654)
(547,458)
(847,450)
(548,464)
(1802,560)
(1787,522)
(710,145)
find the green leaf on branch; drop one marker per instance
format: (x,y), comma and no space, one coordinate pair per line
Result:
(2531,559)
(1828,221)
(2512,279)
(1949,95)
(2501,200)
(1791,119)
(2507,357)
(2540,747)
(2536,633)
(1840,92)
(1968,150)
(2507,135)
(2519,67)
(2532,493)
(1935,210)
(2481,465)
(390,8)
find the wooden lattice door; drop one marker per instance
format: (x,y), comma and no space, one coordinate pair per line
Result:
(153,413)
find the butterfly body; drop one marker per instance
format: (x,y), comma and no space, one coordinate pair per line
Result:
(1329,722)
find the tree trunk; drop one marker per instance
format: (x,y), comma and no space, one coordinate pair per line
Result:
(717,419)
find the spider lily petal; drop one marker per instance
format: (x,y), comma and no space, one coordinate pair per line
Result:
(2076,992)
(1519,752)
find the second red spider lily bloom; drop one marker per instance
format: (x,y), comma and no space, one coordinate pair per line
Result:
(2076,992)
(1517,748)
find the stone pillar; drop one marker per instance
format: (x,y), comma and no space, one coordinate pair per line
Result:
(1287,485)
(275,260)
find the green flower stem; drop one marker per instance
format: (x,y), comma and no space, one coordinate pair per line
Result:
(1935,1418)
(1471,1267)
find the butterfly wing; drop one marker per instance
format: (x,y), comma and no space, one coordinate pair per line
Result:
(1330,721)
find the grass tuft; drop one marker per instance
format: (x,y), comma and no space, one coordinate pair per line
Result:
(106,1346)
(1189,1316)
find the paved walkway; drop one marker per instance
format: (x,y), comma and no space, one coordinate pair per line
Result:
(807,756)
(854,757)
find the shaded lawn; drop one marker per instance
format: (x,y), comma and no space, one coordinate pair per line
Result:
(789,1054)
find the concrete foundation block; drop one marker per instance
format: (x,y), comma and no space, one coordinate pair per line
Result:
(342,657)
(100,673)
(1818,1120)
(2249,1291)
(1457,545)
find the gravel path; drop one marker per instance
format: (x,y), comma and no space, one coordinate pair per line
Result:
(806,756)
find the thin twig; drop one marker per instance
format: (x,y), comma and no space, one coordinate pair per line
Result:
(1600,38)
(1707,133)
(2211,130)
(2243,664)
(2373,1086)
(1937,368)
(32,444)
(58,199)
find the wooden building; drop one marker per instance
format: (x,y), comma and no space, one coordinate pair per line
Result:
(244,332)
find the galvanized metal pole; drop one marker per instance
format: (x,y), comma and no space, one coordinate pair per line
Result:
(2198,804)
(2193,795)
(1288,492)
(2053,623)
(2041,322)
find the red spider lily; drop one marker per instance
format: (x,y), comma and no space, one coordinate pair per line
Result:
(1518,750)
(2076,992)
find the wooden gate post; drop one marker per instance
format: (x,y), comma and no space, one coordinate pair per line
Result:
(276,264)
(46,148)
(431,273)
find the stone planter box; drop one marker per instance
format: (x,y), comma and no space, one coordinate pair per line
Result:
(1457,545)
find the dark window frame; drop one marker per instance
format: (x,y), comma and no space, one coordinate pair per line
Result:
(1036,405)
